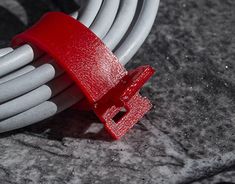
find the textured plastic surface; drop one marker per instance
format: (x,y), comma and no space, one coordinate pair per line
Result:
(105,83)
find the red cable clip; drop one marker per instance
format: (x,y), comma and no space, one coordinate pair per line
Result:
(108,87)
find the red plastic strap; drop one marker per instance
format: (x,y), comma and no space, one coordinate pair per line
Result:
(107,86)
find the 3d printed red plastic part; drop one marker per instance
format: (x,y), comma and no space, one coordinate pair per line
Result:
(109,89)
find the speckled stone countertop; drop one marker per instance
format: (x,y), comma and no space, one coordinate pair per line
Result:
(188,137)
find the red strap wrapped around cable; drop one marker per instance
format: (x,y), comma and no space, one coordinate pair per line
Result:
(105,83)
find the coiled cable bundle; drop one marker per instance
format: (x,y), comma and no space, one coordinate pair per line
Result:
(33,88)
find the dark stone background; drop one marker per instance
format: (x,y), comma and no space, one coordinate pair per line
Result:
(188,137)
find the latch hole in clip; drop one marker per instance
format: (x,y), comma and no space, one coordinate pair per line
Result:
(120,115)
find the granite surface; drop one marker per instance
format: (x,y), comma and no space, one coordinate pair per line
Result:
(188,137)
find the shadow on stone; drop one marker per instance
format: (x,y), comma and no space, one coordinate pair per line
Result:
(73,124)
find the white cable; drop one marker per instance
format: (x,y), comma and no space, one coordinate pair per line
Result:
(98,25)
(16,59)
(35,97)
(5,51)
(23,103)
(12,107)
(105,17)
(24,84)
(41,110)
(125,6)
(74,14)
(88,13)
(40,93)
(21,85)
(122,23)
(26,69)
(139,32)
(24,54)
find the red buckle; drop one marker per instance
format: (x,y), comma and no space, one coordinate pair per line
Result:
(105,83)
